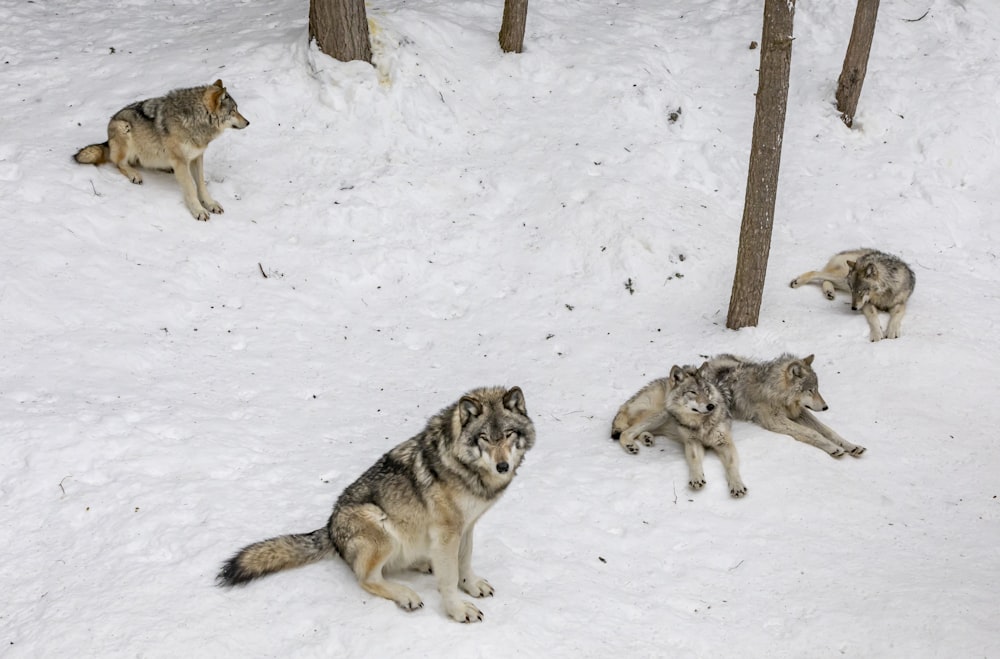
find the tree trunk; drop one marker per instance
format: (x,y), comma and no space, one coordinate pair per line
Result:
(340,28)
(515,14)
(765,158)
(852,77)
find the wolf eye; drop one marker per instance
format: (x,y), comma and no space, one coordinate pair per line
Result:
(483,437)
(511,434)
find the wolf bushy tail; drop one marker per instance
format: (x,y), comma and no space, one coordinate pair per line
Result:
(281,553)
(95,154)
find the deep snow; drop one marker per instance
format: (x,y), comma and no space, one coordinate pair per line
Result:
(458,217)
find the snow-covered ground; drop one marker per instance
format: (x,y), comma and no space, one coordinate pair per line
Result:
(457,217)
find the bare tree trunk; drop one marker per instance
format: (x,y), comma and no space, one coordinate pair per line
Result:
(765,159)
(515,14)
(340,28)
(852,77)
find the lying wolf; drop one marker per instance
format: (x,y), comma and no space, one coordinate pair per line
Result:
(416,506)
(688,408)
(876,281)
(778,395)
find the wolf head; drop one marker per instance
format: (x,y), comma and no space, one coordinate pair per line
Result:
(491,432)
(802,386)
(695,393)
(222,107)
(864,279)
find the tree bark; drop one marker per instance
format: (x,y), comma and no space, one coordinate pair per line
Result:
(765,159)
(340,28)
(515,15)
(852,76)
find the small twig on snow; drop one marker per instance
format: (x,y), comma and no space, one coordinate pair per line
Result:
(262,270)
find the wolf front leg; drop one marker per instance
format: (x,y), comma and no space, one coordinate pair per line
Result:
(182,172)
(874,326)
(445,550)
(809,419)
(198,173)
(786,426)
(726,449)
(468,580)
(894,329)
(694,452)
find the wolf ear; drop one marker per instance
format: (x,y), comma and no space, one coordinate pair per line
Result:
(467,408)
(213,97)
(513,400)
(809,360)
(218,83)
(676,374)
(852,264)
(795,370)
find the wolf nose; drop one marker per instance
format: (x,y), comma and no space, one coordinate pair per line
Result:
(826,407)
(502,467)
(853,308)
(710,406)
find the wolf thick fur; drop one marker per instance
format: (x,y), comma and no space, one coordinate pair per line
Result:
(416,506)
(686,407)
(170,133)
(876,281)
(777,395)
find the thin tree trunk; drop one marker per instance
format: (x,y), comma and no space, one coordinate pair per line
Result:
(852,76)
(340,28)
(515,15)
(765,159)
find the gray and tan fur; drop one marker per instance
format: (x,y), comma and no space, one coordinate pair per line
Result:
(686,407)
(876,281)
(170,133)
(416,506)
(777,395)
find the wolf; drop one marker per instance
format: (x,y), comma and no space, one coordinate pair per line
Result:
(686,407)
(876,281)
(777,395)
(416,506)
(170,133)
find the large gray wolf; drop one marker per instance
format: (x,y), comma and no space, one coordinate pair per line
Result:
(686,407)
(876,281)
(777,395)
(416,506)
(170,133)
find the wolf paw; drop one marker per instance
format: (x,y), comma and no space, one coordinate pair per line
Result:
(631,448)
(477,587)
(463,611)
(830,295)
(410,601)
(738,491)
(200,214)
(213,206)
(795,283)
(857,451)
(696,483)
(647,439)
(836,452)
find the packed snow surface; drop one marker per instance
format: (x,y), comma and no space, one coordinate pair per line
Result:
(565,220)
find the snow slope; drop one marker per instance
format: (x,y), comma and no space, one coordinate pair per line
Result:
(455,217)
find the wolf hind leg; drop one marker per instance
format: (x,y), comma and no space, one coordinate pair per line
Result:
(370,547)
(119,149)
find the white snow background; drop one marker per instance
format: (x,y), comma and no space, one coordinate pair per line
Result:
(457,217)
